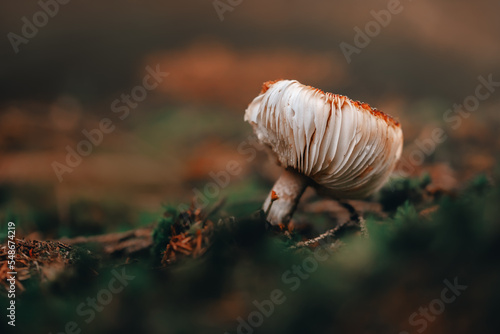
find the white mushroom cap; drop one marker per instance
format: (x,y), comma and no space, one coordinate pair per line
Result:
(347,148)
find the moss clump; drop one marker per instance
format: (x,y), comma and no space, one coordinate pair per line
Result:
(400,190)
(163,232)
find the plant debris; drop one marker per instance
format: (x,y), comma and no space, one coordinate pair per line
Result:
(189,235)
(42,259)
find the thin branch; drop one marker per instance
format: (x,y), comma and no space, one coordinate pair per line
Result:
(328,234)
(354,217)
(128,242)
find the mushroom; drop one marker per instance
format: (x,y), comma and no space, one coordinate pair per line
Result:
(343,148)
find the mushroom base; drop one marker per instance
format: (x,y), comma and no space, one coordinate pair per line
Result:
(288,188)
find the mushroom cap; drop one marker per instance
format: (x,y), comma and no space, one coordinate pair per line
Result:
(346,147)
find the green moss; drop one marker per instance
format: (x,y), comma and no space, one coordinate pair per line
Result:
(163,232)
(399,190)
(479,185)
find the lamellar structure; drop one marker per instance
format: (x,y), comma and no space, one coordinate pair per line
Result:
(345,149)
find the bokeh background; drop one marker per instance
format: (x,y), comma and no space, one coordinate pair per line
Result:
(65,79)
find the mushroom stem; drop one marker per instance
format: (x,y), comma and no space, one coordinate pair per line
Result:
(289,188)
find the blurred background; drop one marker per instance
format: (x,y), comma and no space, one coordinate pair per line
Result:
(61,79)
(64,79)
